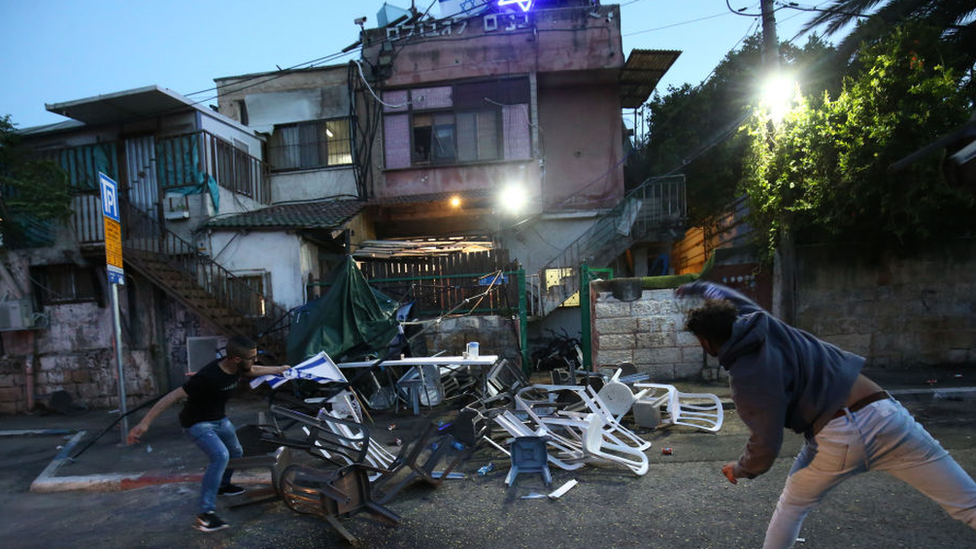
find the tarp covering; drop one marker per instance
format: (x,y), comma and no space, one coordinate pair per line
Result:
(177,167)
(349,322)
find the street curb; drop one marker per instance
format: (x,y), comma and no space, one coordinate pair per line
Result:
(47,482)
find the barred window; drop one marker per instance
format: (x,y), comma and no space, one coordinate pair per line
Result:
(311,145)
(66,283)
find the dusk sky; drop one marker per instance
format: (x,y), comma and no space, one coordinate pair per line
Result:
(61,50)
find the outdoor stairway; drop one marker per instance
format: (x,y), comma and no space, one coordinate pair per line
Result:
(646,213)
(201,284)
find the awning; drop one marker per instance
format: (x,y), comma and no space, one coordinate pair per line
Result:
(122,106)
(640,75)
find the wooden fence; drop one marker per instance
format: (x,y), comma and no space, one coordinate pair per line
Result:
(439,284)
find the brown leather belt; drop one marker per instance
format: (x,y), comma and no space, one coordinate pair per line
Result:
(873,397)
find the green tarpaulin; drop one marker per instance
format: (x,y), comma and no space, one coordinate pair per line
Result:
(350,321)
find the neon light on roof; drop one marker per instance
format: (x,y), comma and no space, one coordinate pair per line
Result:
(526,5)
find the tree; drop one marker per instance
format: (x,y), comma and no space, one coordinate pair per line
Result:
(952,18)
(33,192)
(693,130)
(827,163)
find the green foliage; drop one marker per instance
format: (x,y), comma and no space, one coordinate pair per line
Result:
(824,170)
(692,130)
(31,191)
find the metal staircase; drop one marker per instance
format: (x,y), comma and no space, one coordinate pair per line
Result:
(201,284)
(645,214)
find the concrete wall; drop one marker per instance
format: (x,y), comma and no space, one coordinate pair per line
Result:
(279,253)
(313,184)
(582,150)
(647,332)
(898,312)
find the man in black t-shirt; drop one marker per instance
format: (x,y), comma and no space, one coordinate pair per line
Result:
(204,420)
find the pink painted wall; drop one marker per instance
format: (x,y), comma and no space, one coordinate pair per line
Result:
(541,41)
(582,149)
(458,178)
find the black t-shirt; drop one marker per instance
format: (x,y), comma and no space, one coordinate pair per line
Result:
(208,391)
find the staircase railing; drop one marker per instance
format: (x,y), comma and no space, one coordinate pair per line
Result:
(144,236)
(657,204)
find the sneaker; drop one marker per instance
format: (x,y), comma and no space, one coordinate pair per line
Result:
(230,490)
(210,522)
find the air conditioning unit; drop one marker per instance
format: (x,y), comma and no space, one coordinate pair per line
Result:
(16,315)
(202,350)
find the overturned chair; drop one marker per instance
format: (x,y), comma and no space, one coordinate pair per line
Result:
(669,406)
(340,488)
(333,494)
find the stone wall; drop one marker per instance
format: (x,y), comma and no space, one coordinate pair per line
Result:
(647,332)
(898,312)
(72,348)
(495,336)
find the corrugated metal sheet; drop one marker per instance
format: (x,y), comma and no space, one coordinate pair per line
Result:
(140,158)
(640,75)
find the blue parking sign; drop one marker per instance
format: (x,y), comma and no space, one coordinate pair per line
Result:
(110,197)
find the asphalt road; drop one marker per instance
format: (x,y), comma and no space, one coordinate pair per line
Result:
(682,503)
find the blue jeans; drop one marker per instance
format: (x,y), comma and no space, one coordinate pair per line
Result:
(218,440)
(882,436)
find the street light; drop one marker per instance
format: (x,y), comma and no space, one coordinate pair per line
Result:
(777,95)
(512,198)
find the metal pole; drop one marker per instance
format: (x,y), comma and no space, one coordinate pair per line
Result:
(523,323)
(770,42)
(585,334)
(117,328)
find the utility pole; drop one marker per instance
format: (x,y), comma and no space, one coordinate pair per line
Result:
(770,42)
(784,273)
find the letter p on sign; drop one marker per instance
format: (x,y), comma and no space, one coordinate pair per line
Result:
(110,197)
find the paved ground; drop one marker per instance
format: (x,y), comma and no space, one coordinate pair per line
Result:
(683,502)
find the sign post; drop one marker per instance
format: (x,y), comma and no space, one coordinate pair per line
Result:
(116,277)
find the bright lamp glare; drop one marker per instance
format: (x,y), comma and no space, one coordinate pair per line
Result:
(777,96)
(512,198)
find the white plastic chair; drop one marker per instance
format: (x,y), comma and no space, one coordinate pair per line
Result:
(593,404)
(514,426)
(699,410)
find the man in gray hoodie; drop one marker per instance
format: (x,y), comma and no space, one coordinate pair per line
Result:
(783,377)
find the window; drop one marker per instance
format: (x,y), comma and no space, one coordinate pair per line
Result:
(477,135)
(68,283)
(433,138)
(467,122)
(311,145)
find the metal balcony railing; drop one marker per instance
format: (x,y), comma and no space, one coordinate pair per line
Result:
(657,204)
(145,238)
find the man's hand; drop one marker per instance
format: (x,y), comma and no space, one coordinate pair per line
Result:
(136,432)
(732,471)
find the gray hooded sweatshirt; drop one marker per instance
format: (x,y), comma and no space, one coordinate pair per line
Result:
(781,377)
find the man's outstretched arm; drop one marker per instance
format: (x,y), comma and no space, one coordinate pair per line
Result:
(713,290)
(136,432)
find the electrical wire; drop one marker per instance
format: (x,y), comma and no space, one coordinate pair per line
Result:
(724,13)
(740,10)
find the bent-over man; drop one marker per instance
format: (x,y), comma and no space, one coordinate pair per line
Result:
(204,420)
(783,377)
